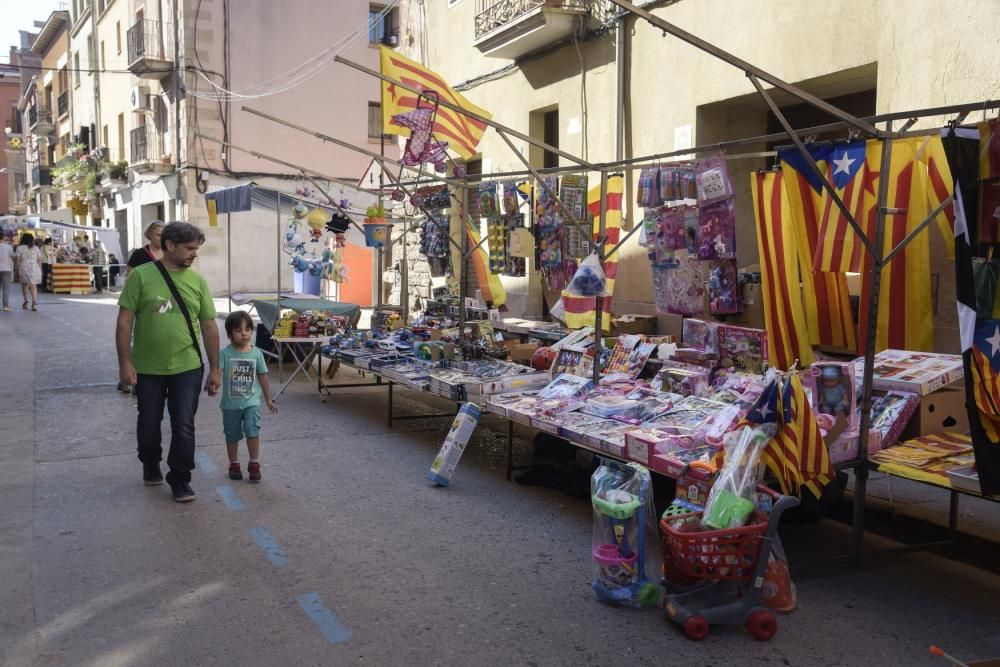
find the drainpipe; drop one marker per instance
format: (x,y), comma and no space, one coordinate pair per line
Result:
(620,88)
(177,108)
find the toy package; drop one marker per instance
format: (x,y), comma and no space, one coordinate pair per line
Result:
(733,497)
(890,415)
(631,364)
(589,279)
(648,188)
(723,288)
(682,381)
(511,200)
(680,290)
(918,372)
(550,225)
(624,545)
(677,182)
(649,405)
(833,392)
(717,230)
(712,179)
(700,335)
(742,348)
(566,386)
(454,445)
(485,205)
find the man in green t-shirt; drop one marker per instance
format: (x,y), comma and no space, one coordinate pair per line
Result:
(163,361)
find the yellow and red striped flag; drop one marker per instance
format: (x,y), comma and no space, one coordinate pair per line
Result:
(798,449)
(489,283)
(581,311)
(460,131)
(839,248)
(784,316)
(825,295)
(905,318)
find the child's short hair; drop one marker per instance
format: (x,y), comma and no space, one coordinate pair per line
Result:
(236,320)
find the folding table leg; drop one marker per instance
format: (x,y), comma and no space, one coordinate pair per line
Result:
(510,448)
(953,525)
(389,411)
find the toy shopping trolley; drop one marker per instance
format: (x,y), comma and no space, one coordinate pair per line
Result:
(717,576)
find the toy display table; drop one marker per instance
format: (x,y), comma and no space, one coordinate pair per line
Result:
(71,278)
(303,350)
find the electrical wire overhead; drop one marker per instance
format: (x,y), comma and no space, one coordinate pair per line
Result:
(297,75)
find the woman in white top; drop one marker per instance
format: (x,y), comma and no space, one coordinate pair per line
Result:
(29,269)
(6,269)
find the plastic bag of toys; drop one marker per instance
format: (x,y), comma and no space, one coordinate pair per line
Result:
(589,279)
(625,545)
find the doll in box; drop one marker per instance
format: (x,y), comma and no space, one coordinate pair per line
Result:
(834,393)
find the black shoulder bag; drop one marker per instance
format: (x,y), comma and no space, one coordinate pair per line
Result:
(184,311)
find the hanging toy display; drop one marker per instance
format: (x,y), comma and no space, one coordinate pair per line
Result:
(306,239)
(421,146)
(376,227)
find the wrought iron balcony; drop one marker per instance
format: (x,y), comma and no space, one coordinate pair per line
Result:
(150,49)
(41,177)
(40,120)
(512,28)
(62,104)
(148,154)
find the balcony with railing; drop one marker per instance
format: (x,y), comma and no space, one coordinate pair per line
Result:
(62,103)
(148,154)
(150,49)
(40,120)
(41,178)
(512,28)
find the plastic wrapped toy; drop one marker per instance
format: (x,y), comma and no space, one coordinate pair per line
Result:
(712,179)
(734,493)
(589,279)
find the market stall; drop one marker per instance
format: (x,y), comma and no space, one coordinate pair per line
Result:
(71,278)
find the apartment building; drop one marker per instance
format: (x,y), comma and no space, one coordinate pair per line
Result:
(107,91)
(604,85)
(45,105)
(11,158)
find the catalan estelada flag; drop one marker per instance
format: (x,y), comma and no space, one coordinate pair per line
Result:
(825,294)
(989,148)
(796,455)
(460,131)
(905,320)
(489,283)
(839,248)
(581,311)
(784,315)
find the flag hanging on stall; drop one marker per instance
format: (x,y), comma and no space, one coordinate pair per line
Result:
(489,283)
(796,455)
(905,320)
(581,311)
(825,294)
(980,337)
(784,315)
(839,247)
(460,131)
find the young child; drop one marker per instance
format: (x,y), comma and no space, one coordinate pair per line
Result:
(244,379)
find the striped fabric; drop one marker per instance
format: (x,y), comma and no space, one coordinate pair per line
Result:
(461,132)
(581,311)
(784,314)
(825,295)
(71,278)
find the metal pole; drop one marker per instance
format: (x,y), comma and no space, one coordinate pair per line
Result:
(861,468)
(229,259)
(463,220)
(404,277)
(277,229)
(711,49)
(469,114)
(599,301)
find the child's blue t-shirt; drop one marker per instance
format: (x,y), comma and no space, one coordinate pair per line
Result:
(240,387)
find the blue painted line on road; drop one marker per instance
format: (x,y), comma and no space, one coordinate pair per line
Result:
(323,618)
(271,549)
(231,498)
(205,463)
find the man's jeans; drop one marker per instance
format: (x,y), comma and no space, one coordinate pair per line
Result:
(181,394)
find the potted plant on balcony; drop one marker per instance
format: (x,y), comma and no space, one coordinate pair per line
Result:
(114,174)
(78,170)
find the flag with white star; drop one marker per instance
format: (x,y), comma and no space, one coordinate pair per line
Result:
(839,248)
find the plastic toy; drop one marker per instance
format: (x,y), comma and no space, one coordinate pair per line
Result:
(621,495)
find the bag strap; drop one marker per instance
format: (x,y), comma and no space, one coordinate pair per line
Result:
(180,304)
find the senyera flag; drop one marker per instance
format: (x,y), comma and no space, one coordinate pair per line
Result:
(460,131)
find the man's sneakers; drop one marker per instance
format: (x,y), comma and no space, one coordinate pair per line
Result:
(253,468)
(234,471)
(182,492)
(151,474)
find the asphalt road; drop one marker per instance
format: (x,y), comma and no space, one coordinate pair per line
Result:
(345,555)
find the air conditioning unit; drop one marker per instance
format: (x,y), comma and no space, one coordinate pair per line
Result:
(140,99)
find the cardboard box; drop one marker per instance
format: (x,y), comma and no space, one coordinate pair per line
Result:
(520,351)
(941,410)
(454,444)
(633,324)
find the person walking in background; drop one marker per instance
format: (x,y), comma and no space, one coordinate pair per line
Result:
(48,259)
(114,269)
(99,260)
(244,375)
(149,252)
(6,270)
(29,269)
(164,300)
